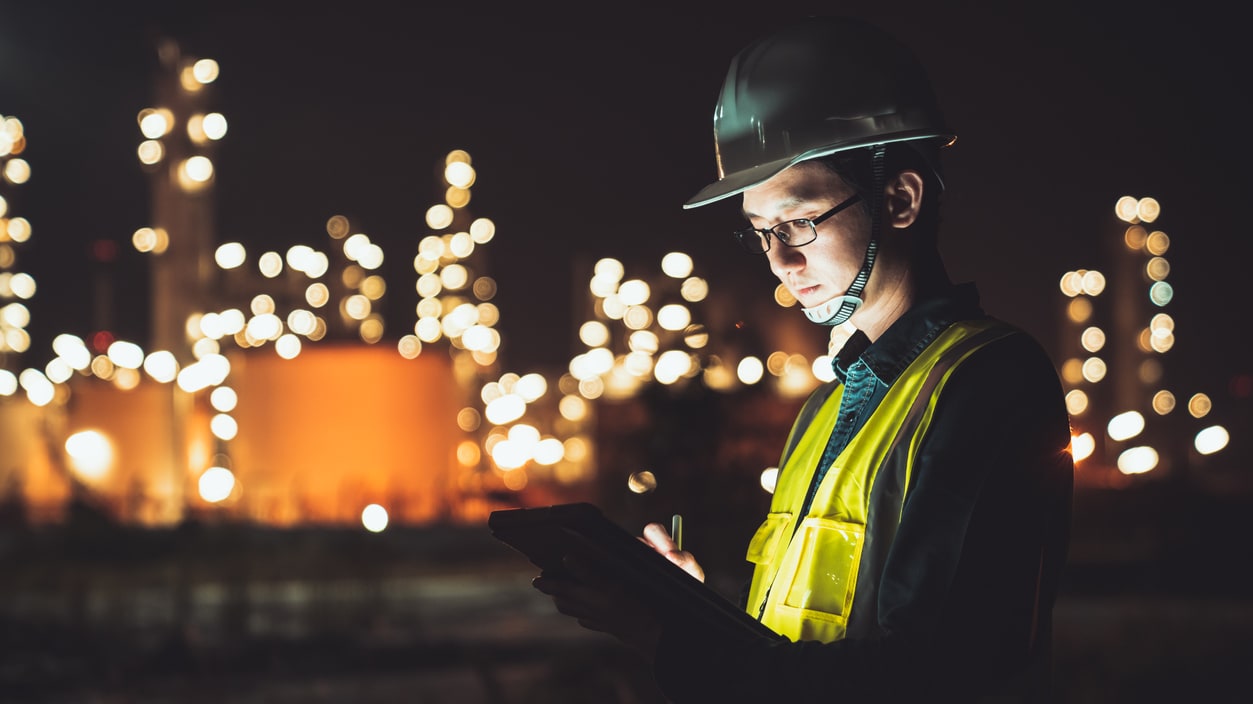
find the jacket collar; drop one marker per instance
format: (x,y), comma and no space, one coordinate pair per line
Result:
(888,356)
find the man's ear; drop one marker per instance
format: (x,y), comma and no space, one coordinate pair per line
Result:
(902,198)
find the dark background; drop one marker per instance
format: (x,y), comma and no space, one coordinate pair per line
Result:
(590,126)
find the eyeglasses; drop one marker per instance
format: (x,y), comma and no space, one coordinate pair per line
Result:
(793,233)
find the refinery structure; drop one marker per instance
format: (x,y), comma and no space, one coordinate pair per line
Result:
(273,391)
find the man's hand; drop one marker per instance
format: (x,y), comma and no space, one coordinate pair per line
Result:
(658,538)
(587,594)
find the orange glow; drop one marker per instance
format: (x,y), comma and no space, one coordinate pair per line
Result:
(140,482)
(1135,237)
(1079,310)
(304,452)
(44,479)
(783,296)
(317,452)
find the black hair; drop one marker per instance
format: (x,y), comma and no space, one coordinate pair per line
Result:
(855,167)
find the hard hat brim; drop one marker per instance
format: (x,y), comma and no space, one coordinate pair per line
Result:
(737,183)
(740,181)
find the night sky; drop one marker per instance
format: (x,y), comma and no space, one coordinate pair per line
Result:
(589,128)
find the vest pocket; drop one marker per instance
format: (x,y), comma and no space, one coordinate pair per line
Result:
(761,549)
(822,585)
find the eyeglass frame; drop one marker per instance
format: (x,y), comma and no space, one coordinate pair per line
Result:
(764,233)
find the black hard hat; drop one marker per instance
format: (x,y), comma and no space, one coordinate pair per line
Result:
(815,87)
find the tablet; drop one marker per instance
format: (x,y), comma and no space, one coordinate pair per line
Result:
(546,534)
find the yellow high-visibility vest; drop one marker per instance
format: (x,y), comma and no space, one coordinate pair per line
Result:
(807,575)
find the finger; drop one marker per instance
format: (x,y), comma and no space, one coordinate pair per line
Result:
(569,597)
(552,580)
(580,588)
(687,562)
(656,535)
(586,604)
(680,557)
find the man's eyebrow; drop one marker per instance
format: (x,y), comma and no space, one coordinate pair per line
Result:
(779,205)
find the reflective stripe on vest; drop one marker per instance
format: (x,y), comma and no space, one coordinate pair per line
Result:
(818,580)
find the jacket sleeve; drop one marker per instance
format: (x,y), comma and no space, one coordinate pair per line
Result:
(966,593)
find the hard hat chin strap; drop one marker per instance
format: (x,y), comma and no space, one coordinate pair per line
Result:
(838,310)
(833,312)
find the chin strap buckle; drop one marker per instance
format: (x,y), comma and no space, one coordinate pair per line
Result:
(836,311)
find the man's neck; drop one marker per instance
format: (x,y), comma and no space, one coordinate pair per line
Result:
(898,297)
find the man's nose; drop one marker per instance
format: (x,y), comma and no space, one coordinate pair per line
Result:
(784,258)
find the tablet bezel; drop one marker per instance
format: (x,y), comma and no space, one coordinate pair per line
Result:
(545,534)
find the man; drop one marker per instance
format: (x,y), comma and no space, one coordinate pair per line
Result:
(920,520)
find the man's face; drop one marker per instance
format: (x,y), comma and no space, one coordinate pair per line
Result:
(825,268)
